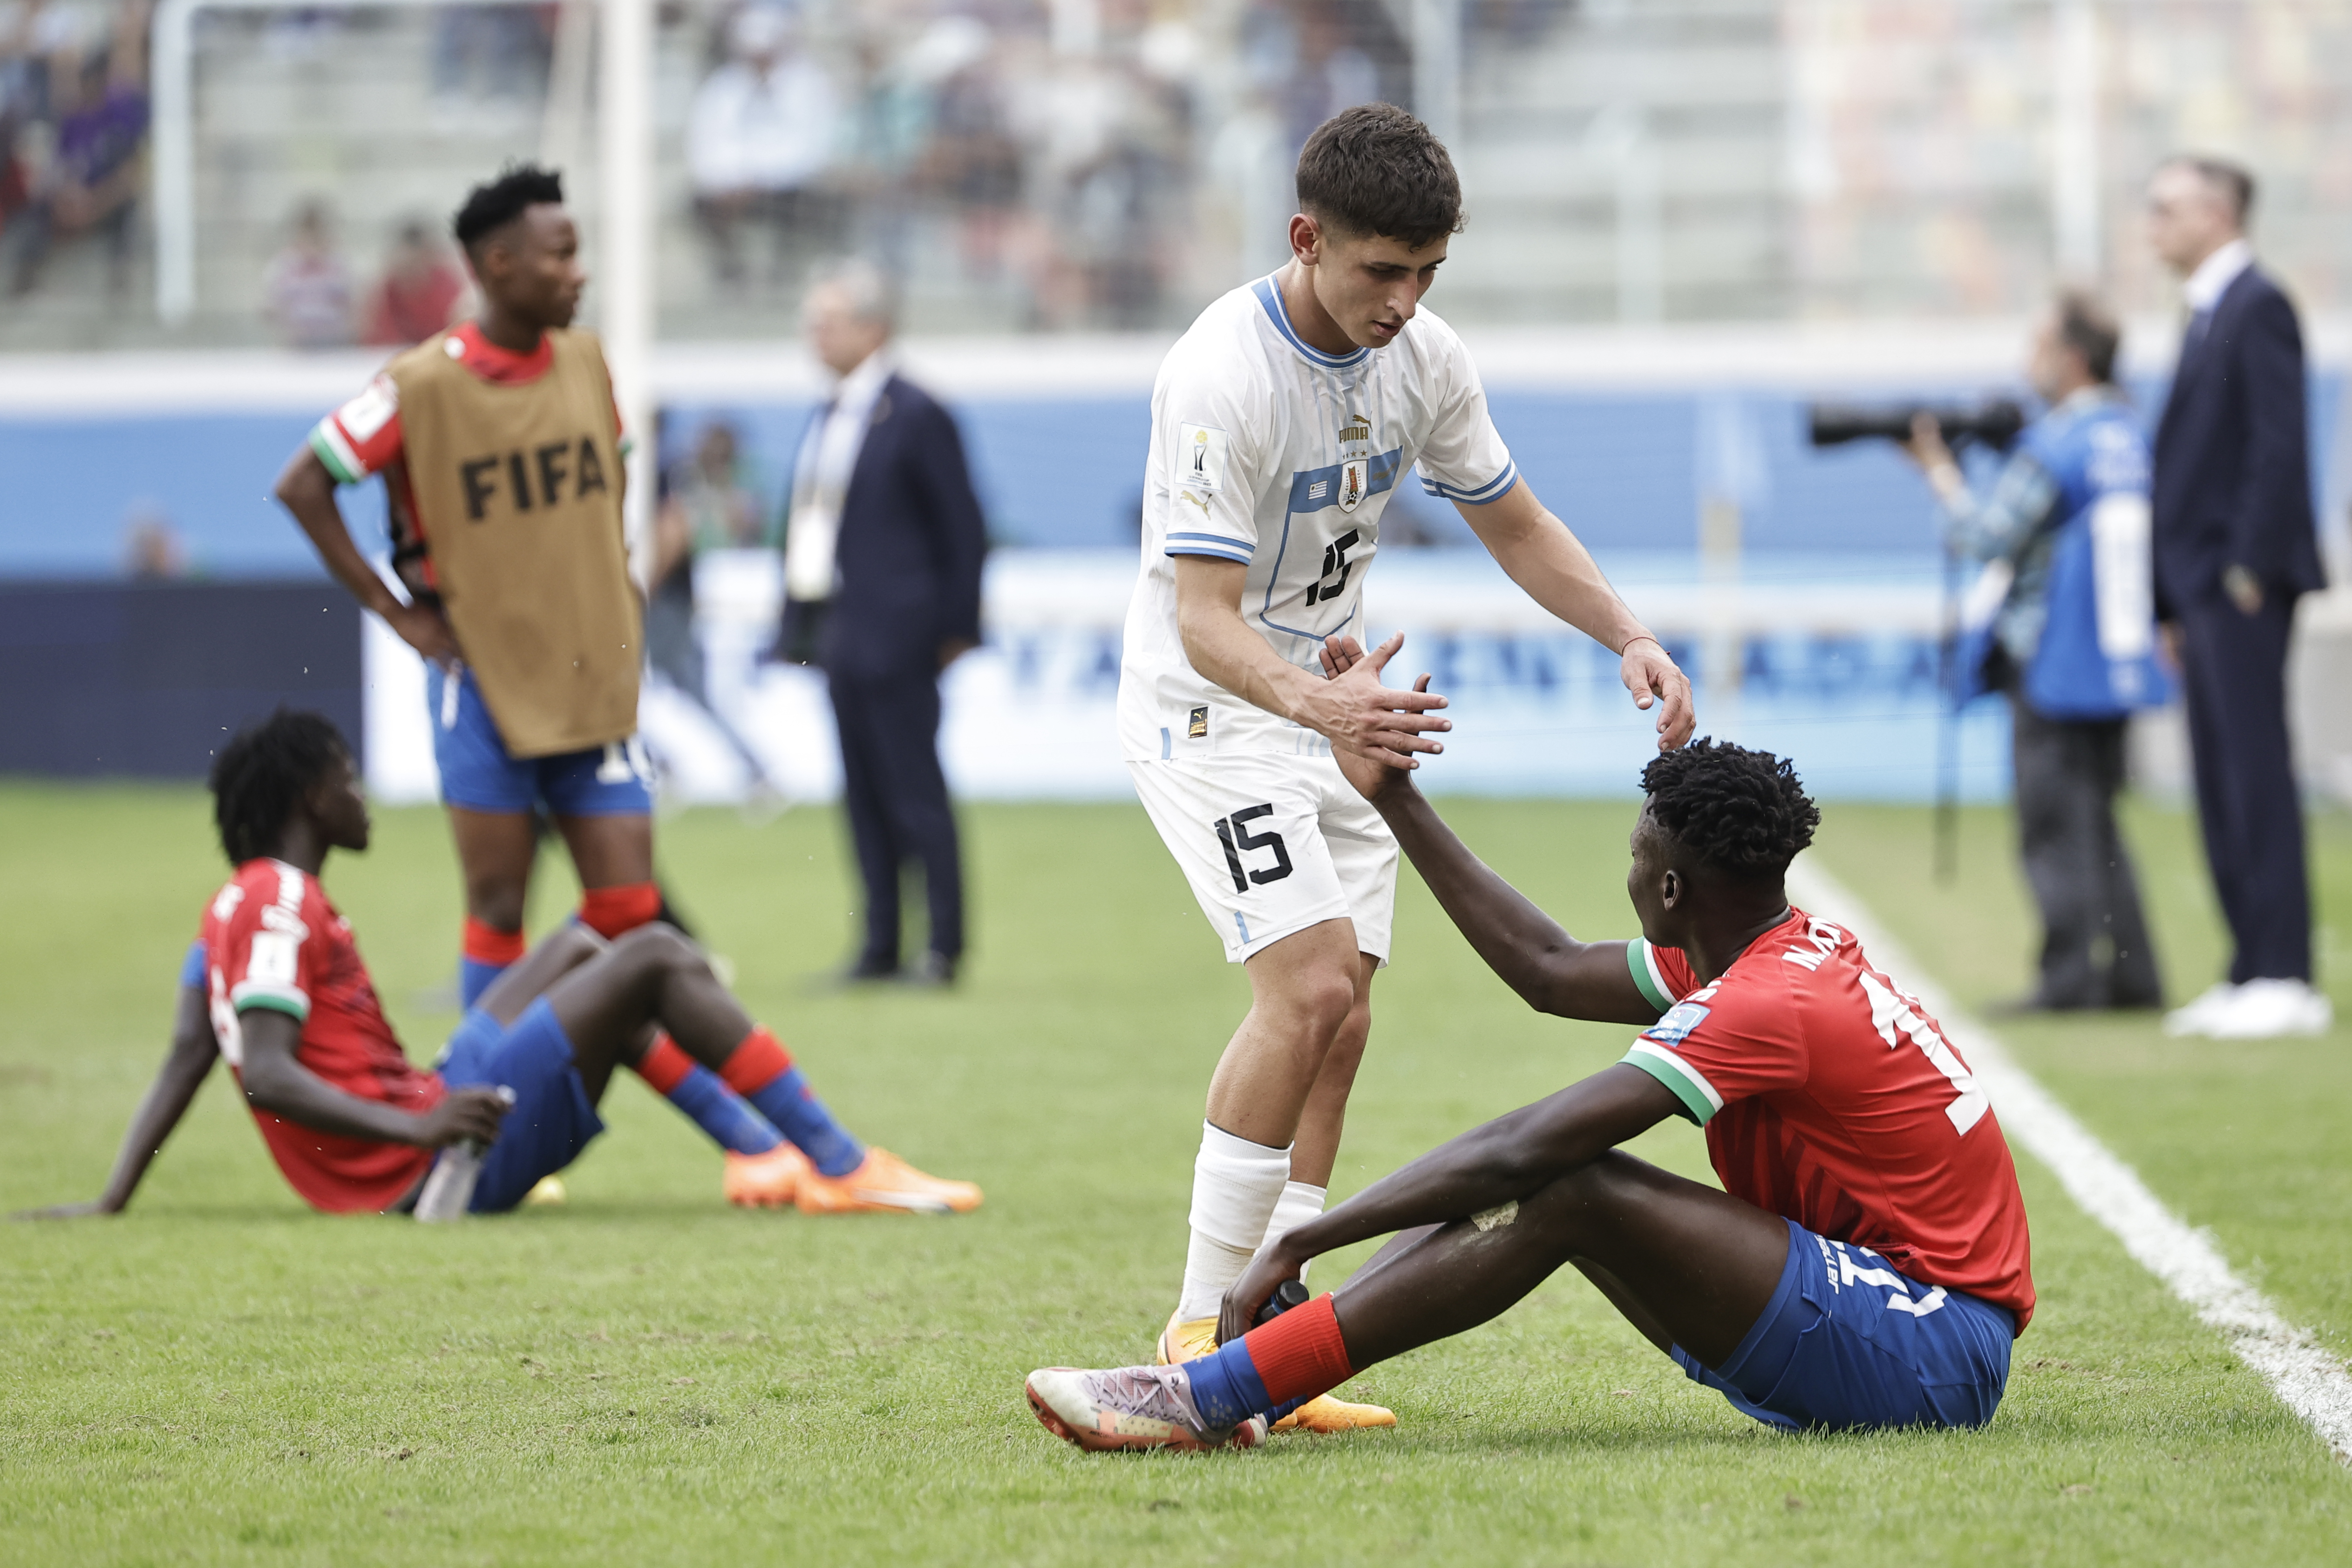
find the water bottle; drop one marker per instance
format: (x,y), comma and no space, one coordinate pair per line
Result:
(1289,1294)
(449,1188)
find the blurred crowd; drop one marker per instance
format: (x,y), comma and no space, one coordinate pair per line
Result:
(1059,168)
(73,132)
(314,300)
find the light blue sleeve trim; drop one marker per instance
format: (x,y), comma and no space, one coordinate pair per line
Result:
(1225,540)
(1493,489)
(1224,549)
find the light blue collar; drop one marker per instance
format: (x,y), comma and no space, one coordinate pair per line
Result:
(1268,290)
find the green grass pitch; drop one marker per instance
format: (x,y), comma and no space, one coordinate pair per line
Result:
(644,1376)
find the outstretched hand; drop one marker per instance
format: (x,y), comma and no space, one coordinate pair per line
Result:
(1371,779)
(1375,731)
(1656,680)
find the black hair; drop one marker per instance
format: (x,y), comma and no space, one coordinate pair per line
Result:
(491,207)
(2087,326)
(1376,170)
(262,774)
(1745,813)
(2235,181)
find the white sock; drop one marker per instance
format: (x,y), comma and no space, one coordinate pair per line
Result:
(1299,1204)
(1235,1185)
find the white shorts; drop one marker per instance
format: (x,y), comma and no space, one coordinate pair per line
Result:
(1273,844)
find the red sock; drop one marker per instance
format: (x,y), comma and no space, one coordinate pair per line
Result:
(759,1062)
(664,1065)
(1301,1353)
(488,945)
(611,911)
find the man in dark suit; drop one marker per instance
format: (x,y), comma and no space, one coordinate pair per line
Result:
(2234,546)
(882,557)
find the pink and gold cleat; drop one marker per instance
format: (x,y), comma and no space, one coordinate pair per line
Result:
(1129,1408)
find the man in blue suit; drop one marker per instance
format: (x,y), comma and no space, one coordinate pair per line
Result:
(882,558)
(2234,547)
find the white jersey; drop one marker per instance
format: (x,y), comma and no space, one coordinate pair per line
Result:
(1272,453)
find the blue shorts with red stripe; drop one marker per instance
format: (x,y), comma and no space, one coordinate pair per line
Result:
(1847,1341)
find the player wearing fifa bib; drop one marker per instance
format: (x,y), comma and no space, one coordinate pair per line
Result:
(1864,1263)
(1281,424)
(503,462)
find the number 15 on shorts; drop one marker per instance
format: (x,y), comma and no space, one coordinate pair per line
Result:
(1233,833)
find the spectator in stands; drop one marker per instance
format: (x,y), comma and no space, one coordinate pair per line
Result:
(84,175)
(760,138)
(707,503)
(151,549)
(420,290)
(308,289)
(973,158)
(493,57)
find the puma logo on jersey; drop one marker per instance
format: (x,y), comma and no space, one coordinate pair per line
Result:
(552,465)
(1357,429)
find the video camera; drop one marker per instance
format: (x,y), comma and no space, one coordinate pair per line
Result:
(1994,422)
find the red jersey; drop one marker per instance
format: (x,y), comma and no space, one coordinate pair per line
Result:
(1830,1096)
(362,438)
(272,940)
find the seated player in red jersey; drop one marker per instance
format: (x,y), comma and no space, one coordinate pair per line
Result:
(1864,1263)
(284,996)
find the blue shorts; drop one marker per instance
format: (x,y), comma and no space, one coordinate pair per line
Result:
(553,1119)
(1835,1349)
(478,775)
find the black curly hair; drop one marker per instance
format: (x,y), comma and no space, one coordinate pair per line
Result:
(491,206)
(264,771)
(1743,812)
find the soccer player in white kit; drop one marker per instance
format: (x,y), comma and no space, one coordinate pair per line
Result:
(1280,424)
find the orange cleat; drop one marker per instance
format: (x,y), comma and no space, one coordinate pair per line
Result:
(885,1183)
(771,1180)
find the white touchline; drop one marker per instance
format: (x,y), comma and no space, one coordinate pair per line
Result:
(2311,1381)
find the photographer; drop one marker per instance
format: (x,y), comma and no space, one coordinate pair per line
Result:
(2064,536)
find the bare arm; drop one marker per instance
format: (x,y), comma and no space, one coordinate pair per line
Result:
(184,1068)
(1539,553)
(1551,970)
(281,1085)
(1354,712)
(306,489)
(1485,1167)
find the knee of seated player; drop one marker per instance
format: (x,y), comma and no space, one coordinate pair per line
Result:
(1589,1204)
(574,945)
(658,947)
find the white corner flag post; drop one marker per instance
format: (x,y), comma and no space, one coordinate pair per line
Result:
(623,280)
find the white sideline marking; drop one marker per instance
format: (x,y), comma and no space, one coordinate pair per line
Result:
(2305,1376)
